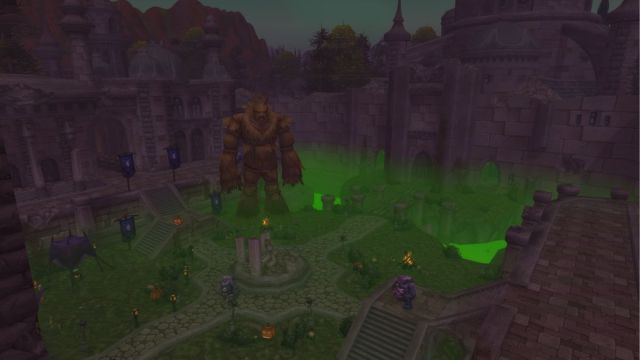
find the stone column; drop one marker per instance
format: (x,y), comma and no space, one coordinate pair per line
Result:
(240,254)
(327,202)
(36,171)
(79,181)
(84,218)
(76,27)
(255,257)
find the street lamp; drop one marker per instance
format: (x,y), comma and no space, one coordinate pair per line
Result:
(135,312)
(173,298)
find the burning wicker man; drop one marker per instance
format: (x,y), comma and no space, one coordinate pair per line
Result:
(259,131)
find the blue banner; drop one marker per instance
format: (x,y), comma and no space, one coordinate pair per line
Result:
(128,227)
(127,166)
(216,203)
(173,154)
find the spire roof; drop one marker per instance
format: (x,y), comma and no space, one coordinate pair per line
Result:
(397,31)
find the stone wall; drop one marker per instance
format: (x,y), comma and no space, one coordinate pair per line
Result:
(19,333)
(593,137)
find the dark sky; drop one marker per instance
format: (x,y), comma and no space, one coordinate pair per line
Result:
(292,22)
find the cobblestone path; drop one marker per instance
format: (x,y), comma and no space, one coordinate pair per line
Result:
(210,309)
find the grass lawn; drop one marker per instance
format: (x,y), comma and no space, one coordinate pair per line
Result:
(104,299)
(249,345)
(385,248)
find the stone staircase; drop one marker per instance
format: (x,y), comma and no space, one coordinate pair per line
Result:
(383,336)
(156,238)
(163,201)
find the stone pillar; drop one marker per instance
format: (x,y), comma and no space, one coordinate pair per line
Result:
(447,212)
(265,237)
(84,218)
(419,208)
(357,202)
(400,214)
(327,202)
(255,257)
(76,27)
(36,171)
(240,254)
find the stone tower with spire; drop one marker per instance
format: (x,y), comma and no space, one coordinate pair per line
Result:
(212,41)
(107,43)
(76,26)
(396,39)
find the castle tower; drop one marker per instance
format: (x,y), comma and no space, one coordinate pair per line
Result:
(107,43)
(76,26)
(397,39)
(212,41)
(623,49)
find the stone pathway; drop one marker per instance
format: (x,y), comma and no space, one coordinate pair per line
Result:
(210,309)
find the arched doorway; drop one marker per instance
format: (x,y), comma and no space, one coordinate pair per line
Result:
(195,108)
(422,167)
(50,170)
(197,145)
(111,139)
(180,140)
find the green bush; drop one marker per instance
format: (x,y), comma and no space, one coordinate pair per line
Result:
(345,325)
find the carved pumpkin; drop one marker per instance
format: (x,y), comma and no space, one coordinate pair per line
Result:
(268,331)
(156,293)
(178,220)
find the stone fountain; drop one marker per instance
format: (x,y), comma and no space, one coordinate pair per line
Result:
(261,267)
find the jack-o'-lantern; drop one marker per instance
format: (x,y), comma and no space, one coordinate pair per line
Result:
(156,293)
(178,220)
(268,331)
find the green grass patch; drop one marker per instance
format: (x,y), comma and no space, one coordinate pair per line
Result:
(481,253)
(432,269)
(105,299)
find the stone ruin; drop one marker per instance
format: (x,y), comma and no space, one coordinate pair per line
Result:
(261,266)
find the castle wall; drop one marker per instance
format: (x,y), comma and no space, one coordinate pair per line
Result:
(596,136)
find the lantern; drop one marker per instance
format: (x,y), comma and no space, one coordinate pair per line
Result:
(76,273)
(216,203)
(268,331)
(173,298)
(185,271)
(127,166)
(173,155)
(311,334)
(265,223)
(135,312)
(178,220)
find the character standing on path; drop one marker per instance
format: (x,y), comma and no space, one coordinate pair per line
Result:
(258,129)
(404,289)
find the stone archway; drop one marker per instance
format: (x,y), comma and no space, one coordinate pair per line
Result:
(197,145)
(50,170)
(180,141)
(111,140)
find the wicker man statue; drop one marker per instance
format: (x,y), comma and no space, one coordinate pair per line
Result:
(259,131)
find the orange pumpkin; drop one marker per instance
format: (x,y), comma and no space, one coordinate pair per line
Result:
(156,293)
(268,331)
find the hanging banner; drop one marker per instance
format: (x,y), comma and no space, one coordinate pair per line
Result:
(173,154)
(127,165)
(128,227)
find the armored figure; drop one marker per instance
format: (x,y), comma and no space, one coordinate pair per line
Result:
(263,135)
(404,289)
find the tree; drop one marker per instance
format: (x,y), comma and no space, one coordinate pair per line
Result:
(603,9)
(424,34)
(339,60)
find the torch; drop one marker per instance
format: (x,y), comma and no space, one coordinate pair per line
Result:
(135,312)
